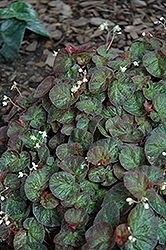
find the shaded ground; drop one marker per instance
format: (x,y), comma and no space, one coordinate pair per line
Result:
(74,22)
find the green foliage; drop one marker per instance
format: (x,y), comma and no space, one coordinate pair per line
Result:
(85,154)
(19,17)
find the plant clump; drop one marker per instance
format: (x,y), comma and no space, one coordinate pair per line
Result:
(83,157)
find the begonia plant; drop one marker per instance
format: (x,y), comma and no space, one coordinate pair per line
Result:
(83,157)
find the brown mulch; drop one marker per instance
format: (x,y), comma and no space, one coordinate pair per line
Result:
(74,22)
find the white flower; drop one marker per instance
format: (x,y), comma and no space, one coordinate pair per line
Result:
(146,205)
(143,33)
(43,133)
(103,26)
(161,18)
(4,103)
(37,145)
(6,217)
(135,63)
(144,199)
(55,53)
(80,70)
(163,185)
(164,153)
(34,166)
(117,29)
(130,201)
(82,166)
(7,222)
(132,238)
(123,69)
(5,97)
(75,88)
(33,137)
(2,198)
(1,212)
(20,174)
(1,221)
(79,83)
(14,85)
(85,79)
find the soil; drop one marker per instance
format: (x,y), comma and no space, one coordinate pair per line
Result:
(73,22)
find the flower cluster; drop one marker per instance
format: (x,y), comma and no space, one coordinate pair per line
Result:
(123,69)
(78,84)
(4,218)
(144,201)
(34,138)
(6,100)
(131,238)
(117,30)
(14,86)
(161,21)
(2,197)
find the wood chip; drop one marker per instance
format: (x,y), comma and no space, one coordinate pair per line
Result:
(151,1)
(139,3)
(40,64)
(52,3)
(61,8)
(134,34)
(32,46)
(50,59)
(91,3)
(97,21)
(3,4)
(44,1)
(80,39)
(57,34)
(82,21)
(138,28)
(97,33)
(49,44)
(42,10)
(137,21)
(157,7)
(31,1)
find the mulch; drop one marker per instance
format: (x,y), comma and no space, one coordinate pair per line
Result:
(73,22)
